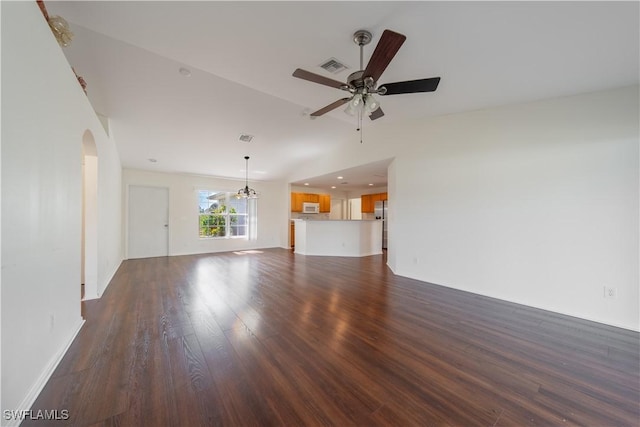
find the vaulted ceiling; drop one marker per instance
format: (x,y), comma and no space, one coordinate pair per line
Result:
(241,55)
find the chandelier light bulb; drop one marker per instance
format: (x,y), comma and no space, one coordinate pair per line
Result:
(357,99)
(355,105)
(370,105)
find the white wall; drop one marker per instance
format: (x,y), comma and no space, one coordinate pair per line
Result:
(335,194)
(273,205)
(368,190)
(90,227)
(110,246)
(355,208)
(338,209)
(534,203)
(392,216)
(44,116)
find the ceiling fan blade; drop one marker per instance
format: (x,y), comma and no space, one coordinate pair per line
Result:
(386,49)
(410,86)
(330,107)
(377,114)
(316,78)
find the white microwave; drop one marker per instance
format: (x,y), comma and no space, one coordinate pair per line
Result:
(311,208)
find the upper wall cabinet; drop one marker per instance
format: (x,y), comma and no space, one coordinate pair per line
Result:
(325,203)
(297,199)
(310,198)
(368,201)
(296,202)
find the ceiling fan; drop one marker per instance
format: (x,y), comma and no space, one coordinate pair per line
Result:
(363,84)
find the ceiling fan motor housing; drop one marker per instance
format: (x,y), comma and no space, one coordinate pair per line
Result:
(356,80)
(361,84)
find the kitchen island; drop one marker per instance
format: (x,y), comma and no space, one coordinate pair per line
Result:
(334,237)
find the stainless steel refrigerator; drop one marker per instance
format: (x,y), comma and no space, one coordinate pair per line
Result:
(380,212)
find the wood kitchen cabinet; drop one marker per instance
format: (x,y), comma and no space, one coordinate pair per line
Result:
(325,203)
(368,201)
(296,202)
(310,198)
(297,199)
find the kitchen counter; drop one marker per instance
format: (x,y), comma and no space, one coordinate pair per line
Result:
(335,237)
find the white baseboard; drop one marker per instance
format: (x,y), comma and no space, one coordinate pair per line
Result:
(37,387)
(107,281)
(88,297)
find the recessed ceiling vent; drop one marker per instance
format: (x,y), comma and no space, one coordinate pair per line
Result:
(245,138)
(333,66)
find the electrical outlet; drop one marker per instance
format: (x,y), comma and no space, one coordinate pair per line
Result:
(610,291)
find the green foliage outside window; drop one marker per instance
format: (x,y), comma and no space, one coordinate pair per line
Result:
(223,215)
(214,224)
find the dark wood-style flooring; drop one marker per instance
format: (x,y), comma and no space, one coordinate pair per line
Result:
(274,338)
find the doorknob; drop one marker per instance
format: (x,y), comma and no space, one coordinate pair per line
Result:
(166,225)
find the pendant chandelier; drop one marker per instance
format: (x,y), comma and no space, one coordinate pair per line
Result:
(246,192)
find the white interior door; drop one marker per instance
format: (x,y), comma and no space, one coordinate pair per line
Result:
(148,222)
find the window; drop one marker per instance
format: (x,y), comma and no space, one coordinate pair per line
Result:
(223,214)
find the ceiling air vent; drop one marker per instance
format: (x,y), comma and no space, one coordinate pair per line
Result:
(333,66)
(245,138)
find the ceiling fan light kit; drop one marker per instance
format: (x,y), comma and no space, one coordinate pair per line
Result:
(362,84)
(362,103)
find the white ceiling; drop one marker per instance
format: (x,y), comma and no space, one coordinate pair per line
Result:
(241,56)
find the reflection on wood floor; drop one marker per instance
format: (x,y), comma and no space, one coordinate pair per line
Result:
(275,338)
